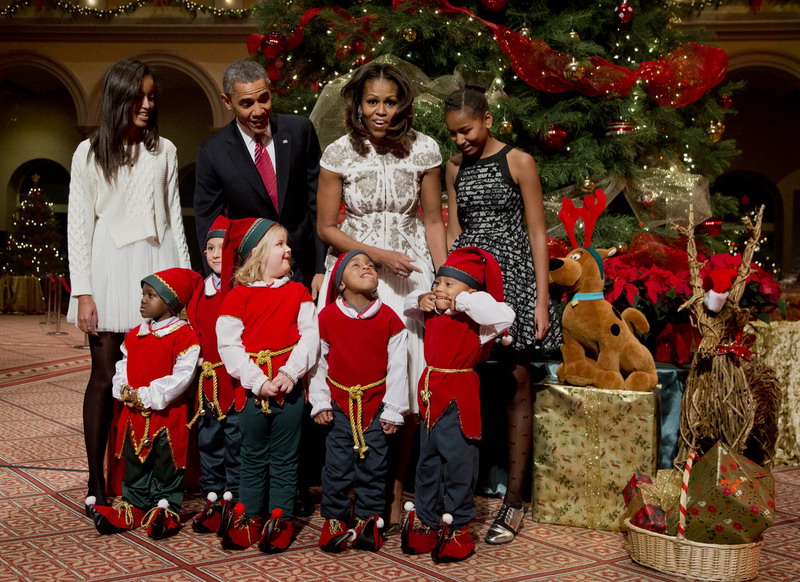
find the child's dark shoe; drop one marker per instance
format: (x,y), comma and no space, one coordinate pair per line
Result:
(416,537)
(226,511)
(368,534)
(110,520)
(162,522)
(453,545)
(208,520)
(242,531)
(334,536)
(277,534)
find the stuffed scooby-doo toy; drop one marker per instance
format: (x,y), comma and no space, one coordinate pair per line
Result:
(600,348)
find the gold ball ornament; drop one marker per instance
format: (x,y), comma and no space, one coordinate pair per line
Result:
(574,71)
(574,35)
(505,127)
(587,185)
(410,35)
(525,31)
(715,131)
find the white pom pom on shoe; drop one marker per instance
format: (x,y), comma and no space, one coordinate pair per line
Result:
(227,496)
(212,497)
(379,523)
(447,518)
(91,500)
(409,506)
(163,504)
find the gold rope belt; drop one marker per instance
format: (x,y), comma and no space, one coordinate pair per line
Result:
(207,370)
(356,392)
(265,357)
(426,391)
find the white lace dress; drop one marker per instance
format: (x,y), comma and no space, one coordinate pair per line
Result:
(382,198)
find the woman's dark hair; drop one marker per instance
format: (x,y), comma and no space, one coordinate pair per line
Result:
(120,91)
(353,91)
(471,100)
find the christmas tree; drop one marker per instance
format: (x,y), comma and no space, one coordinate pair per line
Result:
(33,247)
(604,94)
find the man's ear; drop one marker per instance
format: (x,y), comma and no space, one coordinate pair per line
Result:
(226,101)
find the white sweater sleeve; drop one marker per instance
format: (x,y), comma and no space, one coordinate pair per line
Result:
(304,355)
(319,393)
(80,222)
(493,316)
(121,373)
(163,391)
(395,401)
(174,203)
(235,357)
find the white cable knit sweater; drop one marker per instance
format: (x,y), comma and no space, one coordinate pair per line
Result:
(138,205)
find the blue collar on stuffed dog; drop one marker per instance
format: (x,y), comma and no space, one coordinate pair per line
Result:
(597,258)
(588,296)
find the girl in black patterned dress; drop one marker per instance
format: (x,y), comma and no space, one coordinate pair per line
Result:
(495,203)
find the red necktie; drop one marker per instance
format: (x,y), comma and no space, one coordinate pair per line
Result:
(264,165)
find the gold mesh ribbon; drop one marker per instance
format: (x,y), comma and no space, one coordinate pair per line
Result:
(426,391)
(265,357)
(356,392)
(207,370)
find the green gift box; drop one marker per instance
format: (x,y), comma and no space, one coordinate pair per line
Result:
(731,500)
(587,444)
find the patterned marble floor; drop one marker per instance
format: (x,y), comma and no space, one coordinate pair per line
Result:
(44,535)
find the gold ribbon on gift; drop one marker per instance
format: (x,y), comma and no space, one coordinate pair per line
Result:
(207,370)
(265,357)
(356,392)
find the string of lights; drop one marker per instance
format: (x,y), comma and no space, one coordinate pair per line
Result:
(74,9)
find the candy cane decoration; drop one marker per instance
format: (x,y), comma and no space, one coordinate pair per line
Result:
(685,493)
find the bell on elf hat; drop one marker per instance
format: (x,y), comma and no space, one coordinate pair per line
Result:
(242,236)
(477,269)
(175,286)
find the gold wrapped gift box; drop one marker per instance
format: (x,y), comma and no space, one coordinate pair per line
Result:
(587,444)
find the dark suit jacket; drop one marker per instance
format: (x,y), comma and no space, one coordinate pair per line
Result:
(227,182)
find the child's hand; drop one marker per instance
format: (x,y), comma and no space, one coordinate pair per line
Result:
(268,389)
(283,383)
(389,428)
(427,302)
(324,417)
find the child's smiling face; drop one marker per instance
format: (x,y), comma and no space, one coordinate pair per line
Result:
(445,291)
(213,252)
(276,260)
(359,276)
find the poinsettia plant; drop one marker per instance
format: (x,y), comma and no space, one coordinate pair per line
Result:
(653,276)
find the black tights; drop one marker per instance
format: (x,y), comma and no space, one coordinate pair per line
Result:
(520,432)
(97,407)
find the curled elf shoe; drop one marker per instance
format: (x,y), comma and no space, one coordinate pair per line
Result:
(334,536)
(368,534)
(506,525)
(226,512)
(208,520)
(243,531)
(110,520)
(277,534)
(453,545)
(416,537)
(161,521)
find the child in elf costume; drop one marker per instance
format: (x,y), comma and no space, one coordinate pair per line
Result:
(268,339)
(220,398)
(159,358)
(359,387)
(461,322)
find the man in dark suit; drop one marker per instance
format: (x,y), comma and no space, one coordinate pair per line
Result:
(229,182)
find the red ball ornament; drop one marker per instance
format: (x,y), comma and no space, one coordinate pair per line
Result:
(494,5)
(556,248)
(725,101)
(744,199)
(273,45)
(624,12)
(711,227)
(554,138)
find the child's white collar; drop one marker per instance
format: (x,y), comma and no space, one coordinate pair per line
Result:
(274,285)
(370,311)
(160,328)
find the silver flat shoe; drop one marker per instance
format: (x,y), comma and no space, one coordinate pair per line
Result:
(506,525)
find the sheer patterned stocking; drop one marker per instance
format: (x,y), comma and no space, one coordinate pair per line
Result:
(520,434)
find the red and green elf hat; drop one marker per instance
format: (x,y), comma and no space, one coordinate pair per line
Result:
(175,286)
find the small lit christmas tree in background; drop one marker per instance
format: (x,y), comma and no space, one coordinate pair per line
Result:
(32,247)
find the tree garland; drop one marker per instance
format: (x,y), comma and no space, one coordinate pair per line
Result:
(188,6)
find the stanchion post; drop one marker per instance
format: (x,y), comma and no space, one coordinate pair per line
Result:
(58,312)
(49,284)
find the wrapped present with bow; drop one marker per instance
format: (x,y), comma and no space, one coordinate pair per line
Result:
(587,443)
(731,500)
(652,503)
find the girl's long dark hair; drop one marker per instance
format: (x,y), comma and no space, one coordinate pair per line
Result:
(353,91)
(120,92)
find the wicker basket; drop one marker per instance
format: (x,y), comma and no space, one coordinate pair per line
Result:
(679,556)
(692,559)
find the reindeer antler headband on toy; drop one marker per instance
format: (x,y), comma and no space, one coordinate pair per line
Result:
(593,206)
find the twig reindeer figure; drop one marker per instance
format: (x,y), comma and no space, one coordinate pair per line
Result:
(718,403)
(600,347)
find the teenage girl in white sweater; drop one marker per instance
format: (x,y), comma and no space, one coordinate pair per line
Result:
(123,223)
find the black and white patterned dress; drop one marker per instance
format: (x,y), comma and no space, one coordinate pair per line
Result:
(491,213)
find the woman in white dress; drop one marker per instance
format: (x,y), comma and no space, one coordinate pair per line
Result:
(123,223)
(384,171)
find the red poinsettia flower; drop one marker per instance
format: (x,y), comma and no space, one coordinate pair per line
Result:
(719,529)
(711,508)
(727,491)
(694,511)
(755,509)
(737,525)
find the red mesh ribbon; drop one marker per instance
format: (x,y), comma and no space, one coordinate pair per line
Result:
(682,77)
